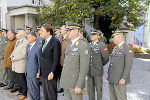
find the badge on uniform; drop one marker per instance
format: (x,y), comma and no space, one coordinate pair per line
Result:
(75,49)
(86,52)
(130,51)
(77,43)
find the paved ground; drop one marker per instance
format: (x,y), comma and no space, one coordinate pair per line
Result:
(138,89)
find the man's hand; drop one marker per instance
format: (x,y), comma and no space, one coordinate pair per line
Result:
(122,82)
(77,90)
(37,75)
(50,76)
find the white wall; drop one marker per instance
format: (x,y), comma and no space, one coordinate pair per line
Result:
(11,3)
(130,37)
(3,5)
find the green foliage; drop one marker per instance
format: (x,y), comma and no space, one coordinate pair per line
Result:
(59,11)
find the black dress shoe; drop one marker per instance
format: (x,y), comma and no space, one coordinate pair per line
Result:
(2,85)
(60,91)
(13,90)
(7,88)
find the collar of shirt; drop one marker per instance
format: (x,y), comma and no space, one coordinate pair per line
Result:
(49,39)
(75,40)
(32,45)
(120,44)
(95,42)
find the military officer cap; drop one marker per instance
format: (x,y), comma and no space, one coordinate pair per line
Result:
(19,29)
(3,29)
(28,28)
(94,32)
(71,25)
(32,33)
(118,32)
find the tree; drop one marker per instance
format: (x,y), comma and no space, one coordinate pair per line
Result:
(108,14)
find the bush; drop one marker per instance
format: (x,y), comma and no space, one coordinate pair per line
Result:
(147,50)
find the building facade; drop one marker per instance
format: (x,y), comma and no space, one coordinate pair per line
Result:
(19,13)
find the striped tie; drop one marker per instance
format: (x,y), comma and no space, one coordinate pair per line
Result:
(44,45)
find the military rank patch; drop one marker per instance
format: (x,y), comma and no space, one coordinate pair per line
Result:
(105,49)
(130,51)
(77,43)
(86,52)
(121,47)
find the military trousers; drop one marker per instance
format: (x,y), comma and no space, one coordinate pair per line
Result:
(3,73)
(92,84)
(68,95)
(117,92)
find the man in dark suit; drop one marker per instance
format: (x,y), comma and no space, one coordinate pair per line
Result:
(50,62)
(33,54)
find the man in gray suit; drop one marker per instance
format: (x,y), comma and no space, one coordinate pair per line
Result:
(99,57)
(76,64)
(3,42)
(121,61)
(33,54)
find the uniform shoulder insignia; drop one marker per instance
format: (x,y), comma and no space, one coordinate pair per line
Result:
(77,43)
(86,52)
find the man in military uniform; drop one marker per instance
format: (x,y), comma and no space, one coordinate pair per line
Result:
(82,37)
(3,42)
(103,38)
(39,39)
(99,57)
(4,33)
(64,41)
(27,29)
(76,64)
(121,61)
(57,33)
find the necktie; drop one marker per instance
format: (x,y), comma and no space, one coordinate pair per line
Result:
(44,45)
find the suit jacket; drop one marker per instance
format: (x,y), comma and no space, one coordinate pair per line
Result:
(8,50)
(99,58)
(63,49)
(50,58)
(75,66)
(121,61)
(19,56)
(33,57)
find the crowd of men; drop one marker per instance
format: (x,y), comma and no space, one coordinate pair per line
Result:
(61,59)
